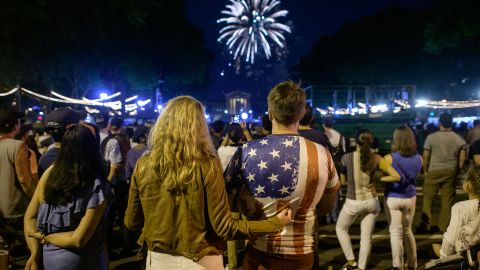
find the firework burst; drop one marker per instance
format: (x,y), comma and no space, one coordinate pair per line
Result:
(252,26)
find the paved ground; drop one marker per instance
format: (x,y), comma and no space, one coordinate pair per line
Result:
(330,254)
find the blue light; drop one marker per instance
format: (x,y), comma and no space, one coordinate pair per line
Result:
(140,103)
(244,116)
(207,116)
(432,114)
(103,95)
(159,107)
(250,111)
(226,111)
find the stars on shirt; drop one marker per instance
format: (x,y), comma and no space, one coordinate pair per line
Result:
(284,190)
(273,177)
(244,165)
(262,165)
(287,166)
(260,189)
(269,167)
(253,152)
(275,153)
(288,143)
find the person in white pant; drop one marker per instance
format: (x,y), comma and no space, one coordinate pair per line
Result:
(358,171)
(400,197)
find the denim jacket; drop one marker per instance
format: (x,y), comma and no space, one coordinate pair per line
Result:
(192,223)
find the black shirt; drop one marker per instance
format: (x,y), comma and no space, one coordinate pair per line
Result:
(47,159)
(315,136)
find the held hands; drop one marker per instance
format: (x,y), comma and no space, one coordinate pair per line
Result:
(39,236)
(285,216)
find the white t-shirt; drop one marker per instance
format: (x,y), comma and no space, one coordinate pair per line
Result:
(225,153)
(334,138)
(465,215)
(112,150)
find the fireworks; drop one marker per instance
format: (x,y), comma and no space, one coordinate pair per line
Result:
(252,24)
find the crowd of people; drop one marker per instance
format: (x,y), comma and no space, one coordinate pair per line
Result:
(181,190)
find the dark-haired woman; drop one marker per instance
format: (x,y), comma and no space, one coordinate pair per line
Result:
(67,212)
(358,171)
(237,134)
(400,197)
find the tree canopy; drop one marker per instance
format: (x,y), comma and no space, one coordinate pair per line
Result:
(455,24)
(80,46)
(386,48)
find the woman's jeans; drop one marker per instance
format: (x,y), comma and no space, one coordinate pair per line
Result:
(400,212)
(369,209)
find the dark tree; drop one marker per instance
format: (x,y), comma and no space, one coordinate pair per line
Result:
(456,24)
(386,48)
(78,46)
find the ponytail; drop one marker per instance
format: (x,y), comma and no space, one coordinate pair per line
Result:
(365,157)
(364,139)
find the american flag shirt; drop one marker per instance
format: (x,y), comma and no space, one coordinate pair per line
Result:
(266,174)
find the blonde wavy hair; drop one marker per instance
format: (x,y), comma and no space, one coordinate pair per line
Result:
(179,141)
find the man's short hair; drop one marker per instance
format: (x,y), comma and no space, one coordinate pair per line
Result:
(446,120)
(308,116)
(476,122)
(218,126)
(286,102)
(8,120)
(266,123)
(116,123)
(328,122)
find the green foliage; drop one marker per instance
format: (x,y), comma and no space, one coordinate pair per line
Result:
(455,23)
(76,46)
(385,49)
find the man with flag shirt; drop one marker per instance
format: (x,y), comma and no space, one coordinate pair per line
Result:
(283,168)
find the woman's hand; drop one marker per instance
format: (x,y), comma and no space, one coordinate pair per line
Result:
(39,236)
(36,235)
(285,216)
(32,263)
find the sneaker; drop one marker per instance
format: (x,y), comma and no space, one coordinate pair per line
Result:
(348,266)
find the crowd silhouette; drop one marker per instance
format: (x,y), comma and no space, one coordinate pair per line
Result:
(185,194)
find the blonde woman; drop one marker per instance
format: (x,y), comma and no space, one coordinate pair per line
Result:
(400,197)
(178,198)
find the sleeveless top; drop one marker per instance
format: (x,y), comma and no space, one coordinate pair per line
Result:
(408,168)
(13,201)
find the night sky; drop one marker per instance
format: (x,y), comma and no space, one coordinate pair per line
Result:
(310,20)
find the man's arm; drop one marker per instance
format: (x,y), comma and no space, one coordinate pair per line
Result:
(426,159)
(327,203)
(114,168)
(115,158)
(27,181)
(462,158)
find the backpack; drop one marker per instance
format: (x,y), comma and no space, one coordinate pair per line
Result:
(337,152)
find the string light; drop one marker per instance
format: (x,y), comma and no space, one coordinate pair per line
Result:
(444,104)
(105,98)
(131,98)
(9,92)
